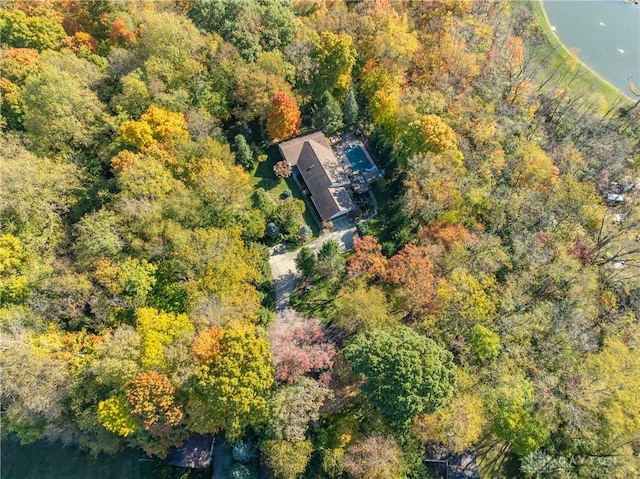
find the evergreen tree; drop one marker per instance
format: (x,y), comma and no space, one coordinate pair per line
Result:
(350,109)
(327,115)
(330,261)
(244,155)
(306,262)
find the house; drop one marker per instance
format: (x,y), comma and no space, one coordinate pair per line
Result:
(195,452)
(321,174)
(445,464)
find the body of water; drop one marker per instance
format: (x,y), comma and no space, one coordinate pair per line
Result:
(42,460)
(605,35)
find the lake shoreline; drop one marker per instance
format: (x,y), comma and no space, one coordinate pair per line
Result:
(553,38)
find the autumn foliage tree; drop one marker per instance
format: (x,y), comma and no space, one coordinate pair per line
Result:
(155,125)
(120,34)
(295,407)
(114,415)
(430,133)
(298,346)
(376,457)
(445,234)
(514,417)
(231,391)
(367,258)
(413,269)
(287,460)
(336,57)
(206,344)
(458,425)
(151,397)
(283,120)
(37,31)
(359,306)
(16,65)
(61,108)
(158,330)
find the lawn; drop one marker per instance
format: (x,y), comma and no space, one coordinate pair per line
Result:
(264,177)
(317,301)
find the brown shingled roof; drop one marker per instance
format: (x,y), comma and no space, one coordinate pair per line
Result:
(290,149)
(324,176)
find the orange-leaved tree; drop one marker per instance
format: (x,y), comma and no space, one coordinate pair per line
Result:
(206,344)
(151,397)
(283,120)
(367,258)
(413,269)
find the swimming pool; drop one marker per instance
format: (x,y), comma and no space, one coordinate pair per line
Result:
(358,158)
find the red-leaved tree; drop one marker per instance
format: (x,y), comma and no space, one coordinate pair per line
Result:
(298,346)
(367,258)
(445,234)
(412,268)
(284,119)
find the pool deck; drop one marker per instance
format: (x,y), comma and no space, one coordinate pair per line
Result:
(352,139)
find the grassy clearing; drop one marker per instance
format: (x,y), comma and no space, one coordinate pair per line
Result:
(554,56)
(307,216)
(317,302)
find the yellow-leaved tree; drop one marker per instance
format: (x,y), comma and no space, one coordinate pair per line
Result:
(115,417)
(608,393)
(156,125)
(157,331)
(231,390)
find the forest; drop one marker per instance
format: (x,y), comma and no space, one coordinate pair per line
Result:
(492,305)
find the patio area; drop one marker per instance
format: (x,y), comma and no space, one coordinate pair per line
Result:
(355,157)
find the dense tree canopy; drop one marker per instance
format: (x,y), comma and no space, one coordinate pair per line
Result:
(489,303)
(283,120)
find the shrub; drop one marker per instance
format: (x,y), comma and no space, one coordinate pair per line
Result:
(304,233)
(240,471)
(282,169)
(244,451)
(273,230)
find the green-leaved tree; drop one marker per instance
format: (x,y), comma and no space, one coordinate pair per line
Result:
(405,373)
